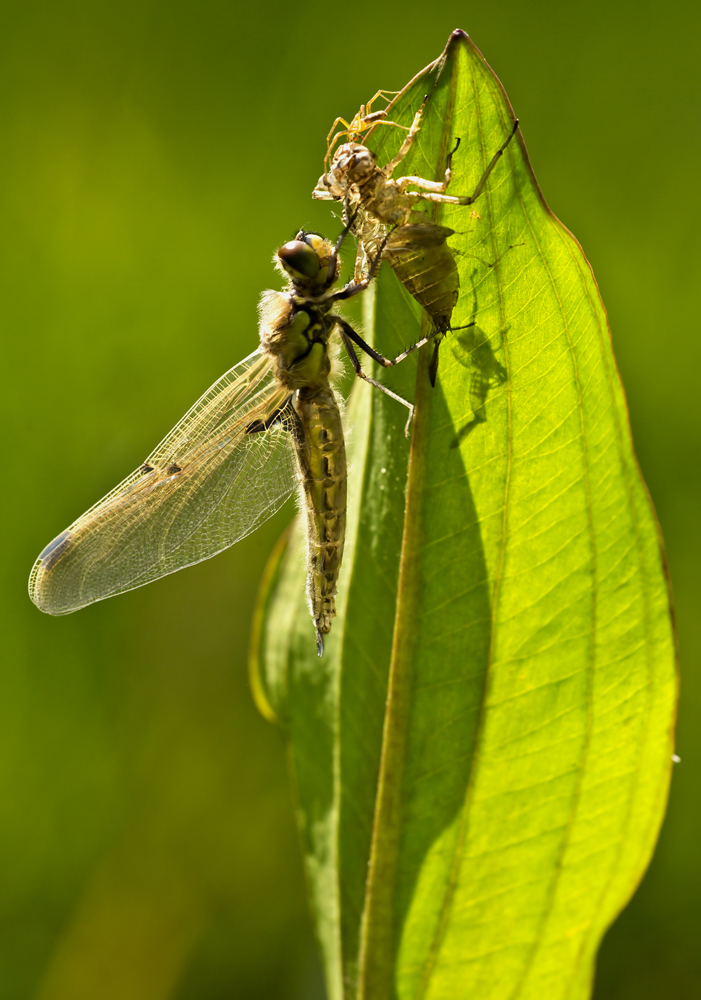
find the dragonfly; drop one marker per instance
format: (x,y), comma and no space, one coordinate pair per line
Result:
(384,211)
(268,426)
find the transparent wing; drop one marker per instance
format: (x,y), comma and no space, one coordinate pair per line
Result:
(210,482)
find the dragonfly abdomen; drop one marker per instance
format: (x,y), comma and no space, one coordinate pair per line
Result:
(322,461)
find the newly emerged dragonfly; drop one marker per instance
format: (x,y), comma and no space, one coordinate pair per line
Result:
(268,425)
(414,246)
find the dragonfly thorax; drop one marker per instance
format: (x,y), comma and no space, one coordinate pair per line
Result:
(297,337)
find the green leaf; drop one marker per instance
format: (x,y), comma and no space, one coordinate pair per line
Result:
(482,757)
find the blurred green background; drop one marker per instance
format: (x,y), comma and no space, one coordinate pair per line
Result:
(153,156)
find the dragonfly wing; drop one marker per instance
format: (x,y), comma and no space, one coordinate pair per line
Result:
(210,482)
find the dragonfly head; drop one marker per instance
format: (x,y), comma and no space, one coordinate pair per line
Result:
(306,259)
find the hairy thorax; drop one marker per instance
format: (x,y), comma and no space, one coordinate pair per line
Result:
(297,337)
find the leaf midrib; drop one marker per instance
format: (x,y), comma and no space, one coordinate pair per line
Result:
(456,863)
(376,959)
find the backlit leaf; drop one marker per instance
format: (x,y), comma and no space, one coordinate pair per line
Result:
(482,757)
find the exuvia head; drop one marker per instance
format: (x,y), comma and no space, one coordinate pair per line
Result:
(306,259)
(353,163)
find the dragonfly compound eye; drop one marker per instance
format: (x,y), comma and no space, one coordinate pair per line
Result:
(300,258)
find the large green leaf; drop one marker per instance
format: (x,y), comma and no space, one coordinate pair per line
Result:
(482,757)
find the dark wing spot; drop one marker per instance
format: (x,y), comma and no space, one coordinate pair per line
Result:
(278,416)
(55,549)
(172,469)
(256,426)
(146,468)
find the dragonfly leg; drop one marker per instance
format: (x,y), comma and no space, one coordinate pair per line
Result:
(348,335)
(375,355)
(359,286)
(333,265)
